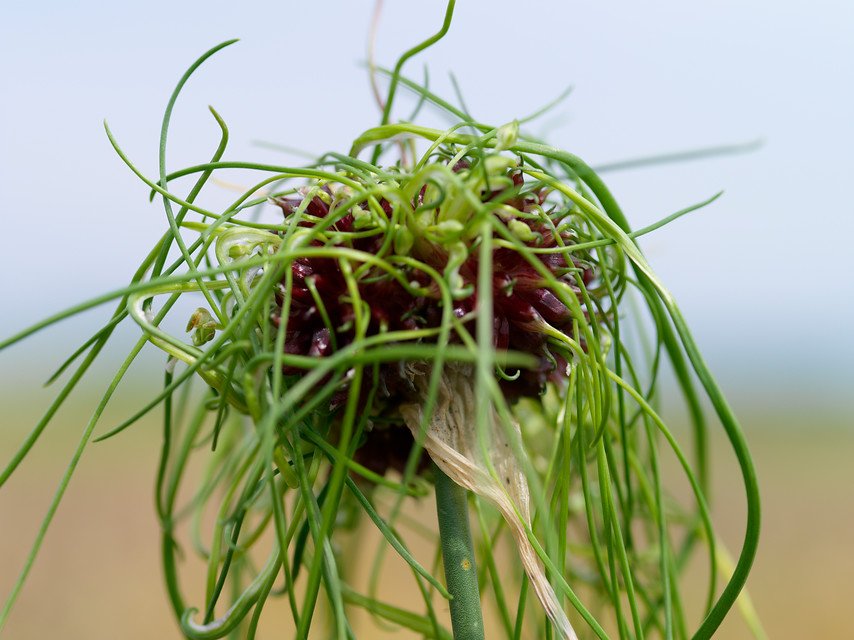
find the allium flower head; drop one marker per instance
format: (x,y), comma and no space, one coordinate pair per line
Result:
(428,227)
(436,231)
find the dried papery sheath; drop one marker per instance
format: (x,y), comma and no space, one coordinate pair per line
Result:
(485,464)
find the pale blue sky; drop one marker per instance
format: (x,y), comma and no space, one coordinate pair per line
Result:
(764,275)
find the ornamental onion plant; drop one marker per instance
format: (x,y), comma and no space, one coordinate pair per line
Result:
(460,313)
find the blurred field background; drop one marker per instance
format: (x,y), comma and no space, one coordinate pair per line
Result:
(99,574)
(763,276)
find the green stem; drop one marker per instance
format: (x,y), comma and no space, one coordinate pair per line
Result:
(395,76)
(458,556)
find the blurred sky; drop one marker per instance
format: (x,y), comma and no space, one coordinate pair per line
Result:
(764,275)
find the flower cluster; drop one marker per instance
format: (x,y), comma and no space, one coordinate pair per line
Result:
(319,302)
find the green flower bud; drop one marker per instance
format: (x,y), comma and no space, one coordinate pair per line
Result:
(521,230)
(362,218)
(204,324)
(507,135)
(446,232)
(236,251)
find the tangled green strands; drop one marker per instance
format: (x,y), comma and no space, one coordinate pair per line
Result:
(273,443)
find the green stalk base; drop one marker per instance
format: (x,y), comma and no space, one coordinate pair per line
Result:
(458,557)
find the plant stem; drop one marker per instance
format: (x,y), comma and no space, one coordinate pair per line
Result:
(458,557)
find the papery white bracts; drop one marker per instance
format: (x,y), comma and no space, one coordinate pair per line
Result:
(450,437)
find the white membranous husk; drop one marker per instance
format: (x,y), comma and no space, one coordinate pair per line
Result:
(451,438)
